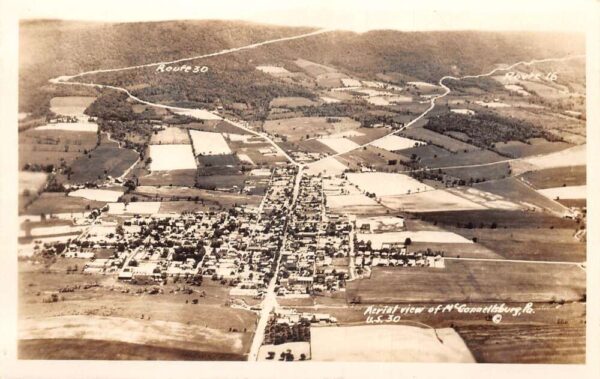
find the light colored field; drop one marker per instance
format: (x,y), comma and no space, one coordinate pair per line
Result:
(296,348)
(31,181)
(493,104)
(146,207)
(429,201)
(348,133)
(54,230)
(377,239)
(291,102)
(170,136)
(329,100)
(297,128)
(70,105)
(171,157)
(150,332)
(516,88)
(349,82)
(71,126)
(573,192)
(245,158)
(381,223)
(422,84)
(328,166)
(260,172)
(387,184)
(388,343)
(209,143)
(199,114)
(272,69)
(574,156)
(97,194)
(339,145)
(486,199)
(342,201)
(394,142)
(463,111)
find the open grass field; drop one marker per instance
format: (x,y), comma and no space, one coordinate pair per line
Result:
(108,159)
(488,172)
(106,313)
(103,195)
(574,156)
(461,158)
(166,178)
(339,145)
(388,343)
(429,201)
(49,146)
(394,143)
(70,105)
(170,136)
(298,128)
(556,177)
(571,192)
(53,203)
(171,157)
(88,349)
(31,181)
(464,250)
(378,239)
(516,191)
(209,143)
(372,157)
(433,138)
(472,281)
(386,184)
(88,127)
(186,193)
(537,146)
(291,102)
(525,343)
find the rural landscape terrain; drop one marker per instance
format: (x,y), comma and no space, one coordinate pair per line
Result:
(224,190)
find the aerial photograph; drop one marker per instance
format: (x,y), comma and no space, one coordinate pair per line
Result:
(233,190)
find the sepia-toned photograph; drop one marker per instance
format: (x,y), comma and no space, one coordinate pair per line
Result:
(302,183)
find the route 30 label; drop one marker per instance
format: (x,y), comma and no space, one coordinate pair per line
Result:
(183,68)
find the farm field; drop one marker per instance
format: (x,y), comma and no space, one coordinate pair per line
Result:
(298,128)
(518,192)
(57,202)
(472,281)
(456,250)
(386,184)
(171,157)
(76,348)
(31,181)
(537,146)
(433,138)
(394,143)
(556,177)
(525,343)
(166,178)
(394,343)
(186,193)
(378,239)
(574,156)
(471,157)
(571,192)
(108,159)
(145,208)
(340,145)
(327,166)
(170,136)
(291,102)
(100,313)
(429,201)
(502,219)
(49,146)
(70,105)
(488,172)
(88,127)
(371,157)
(97,194)
(209,143)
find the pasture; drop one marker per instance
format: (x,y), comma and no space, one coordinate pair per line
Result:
(378,239)
(209,143)
(96,194)
(70,105)
(340,144)
(386,184)
(429,201)
(108,159)
(57,202)
(89,127)
(431,137)
(536,146)
(171,157)
(569,193)
(387,343)
(50,146)
(297,128)
(394,143)
(556,177)
(472,281)
(170,136)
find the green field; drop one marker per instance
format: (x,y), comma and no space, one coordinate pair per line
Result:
(556,177)
(108,159)
(58,202)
